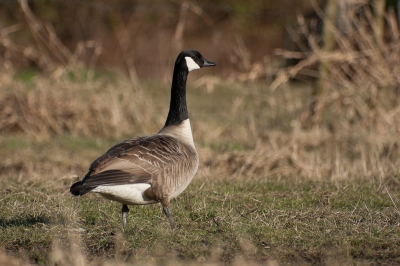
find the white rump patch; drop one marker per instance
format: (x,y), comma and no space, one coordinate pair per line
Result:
(191,64)
(130,194)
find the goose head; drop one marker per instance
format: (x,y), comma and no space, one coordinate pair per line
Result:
(192,60)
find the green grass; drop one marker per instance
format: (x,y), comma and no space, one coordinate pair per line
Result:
(258,219)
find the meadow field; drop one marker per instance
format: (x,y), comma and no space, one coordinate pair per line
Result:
(291,172)
(267,191)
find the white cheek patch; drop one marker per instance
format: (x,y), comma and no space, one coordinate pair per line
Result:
(191,64)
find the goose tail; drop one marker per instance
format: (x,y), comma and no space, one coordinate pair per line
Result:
(76,189)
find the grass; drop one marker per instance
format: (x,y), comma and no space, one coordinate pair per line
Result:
(283,179)
(249,203)
(293,222)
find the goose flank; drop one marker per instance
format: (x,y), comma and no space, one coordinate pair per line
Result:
(156,168)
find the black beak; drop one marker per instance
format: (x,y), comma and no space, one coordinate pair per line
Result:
(208,63)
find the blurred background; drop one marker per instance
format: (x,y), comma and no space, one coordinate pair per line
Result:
(307,87)
(145,36)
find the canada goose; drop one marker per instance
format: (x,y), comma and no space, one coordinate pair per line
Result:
(155,168)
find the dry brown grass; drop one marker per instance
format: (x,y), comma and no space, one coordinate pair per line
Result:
(64,101)
(315,154)
(362,80)
(243,147)
(354,118)
(59,105)
(356,135)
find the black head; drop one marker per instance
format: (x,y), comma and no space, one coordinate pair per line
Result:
(193,60)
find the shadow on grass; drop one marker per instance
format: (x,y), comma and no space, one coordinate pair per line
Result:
(23,221)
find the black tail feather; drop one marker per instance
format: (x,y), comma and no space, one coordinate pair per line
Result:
(78,189)
(75,188)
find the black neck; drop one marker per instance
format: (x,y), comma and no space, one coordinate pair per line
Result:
(178,108)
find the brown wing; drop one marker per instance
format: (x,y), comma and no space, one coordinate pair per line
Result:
(135,160)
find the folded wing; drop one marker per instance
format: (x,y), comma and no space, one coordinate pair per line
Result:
(136,160)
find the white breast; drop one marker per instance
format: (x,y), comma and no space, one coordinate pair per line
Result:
(183,132)
(130,194)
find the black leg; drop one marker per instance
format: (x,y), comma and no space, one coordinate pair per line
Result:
(168,213)
(125,211)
